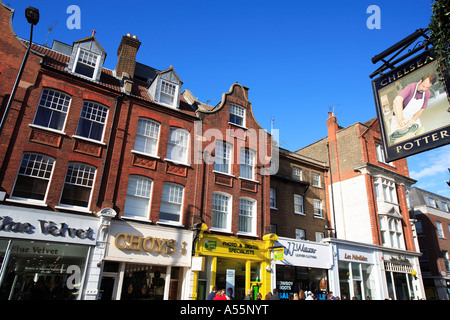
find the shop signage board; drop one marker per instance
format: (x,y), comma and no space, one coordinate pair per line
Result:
(232,247)
(33,224)
(412,125)
(149,244)
(353,254)
(305,253)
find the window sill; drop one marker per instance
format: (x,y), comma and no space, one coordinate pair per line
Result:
(136,219)
(247,179)
(237,125)
(170,224)
(28,202)
(178,163)
(220,230)
(89,140)
(75,209)
(273,208)
(300,213)
(225,174)
(247,234)
(35,126)
(319,217)
(145,154)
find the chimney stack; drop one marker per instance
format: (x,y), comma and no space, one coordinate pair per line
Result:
(126,53)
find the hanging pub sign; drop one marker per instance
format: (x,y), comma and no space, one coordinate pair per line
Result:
(412,108)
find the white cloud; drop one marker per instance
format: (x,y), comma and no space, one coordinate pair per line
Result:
(430,163)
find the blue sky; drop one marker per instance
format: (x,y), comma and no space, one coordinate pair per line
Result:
(297,57)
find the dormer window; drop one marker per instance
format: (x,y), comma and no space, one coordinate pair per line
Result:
(167,93)
(87,58)
(86,63)
(165,88)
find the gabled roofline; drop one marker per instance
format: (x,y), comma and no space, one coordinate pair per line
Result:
(89,38)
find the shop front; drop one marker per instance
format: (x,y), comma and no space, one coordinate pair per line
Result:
(233,264)
(403,278)
(304,267)
(145,262)
(44,255)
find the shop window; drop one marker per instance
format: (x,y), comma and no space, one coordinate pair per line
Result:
(52,109)
(247,164)
(78,185)
(137,203)
(177,148)
(247,215)
(32,273)
(92,121)
(171,203)
(221,214)
(147,136)
(33,177)
(143,282)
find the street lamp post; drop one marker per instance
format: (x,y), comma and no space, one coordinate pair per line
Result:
(32,15)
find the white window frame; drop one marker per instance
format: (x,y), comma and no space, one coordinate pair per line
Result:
(39,170)
(300,234)
(245,214)
(316,180)
(247,163)
(318,208)
(297,173)
(147,136)
(223,156)
(97,116)
(391,232)
(80,179)
(237,112)
(299,201)
(432,202)
(444,205)
(222,205)
(179,143)
(439,229)
(174,199)
(95,64)
(273,198)
(56,104)
(319,236)
(385,190)
(139,191)
(380,154)
(163,86)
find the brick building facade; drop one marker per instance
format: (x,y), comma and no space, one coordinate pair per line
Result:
(369,211)
(117,150)
(432,222)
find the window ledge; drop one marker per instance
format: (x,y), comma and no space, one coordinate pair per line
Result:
(237,125)
(89,140)
(220,230)
(246,234)
(178,162)
(75,209)
(145,154)
(27,201)
(170,224)
(135,218)
(47,129)
(319,217)
(273,208)
(247,179)
(224,173)
(300,213)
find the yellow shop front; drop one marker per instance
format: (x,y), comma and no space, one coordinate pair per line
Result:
(232,263)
